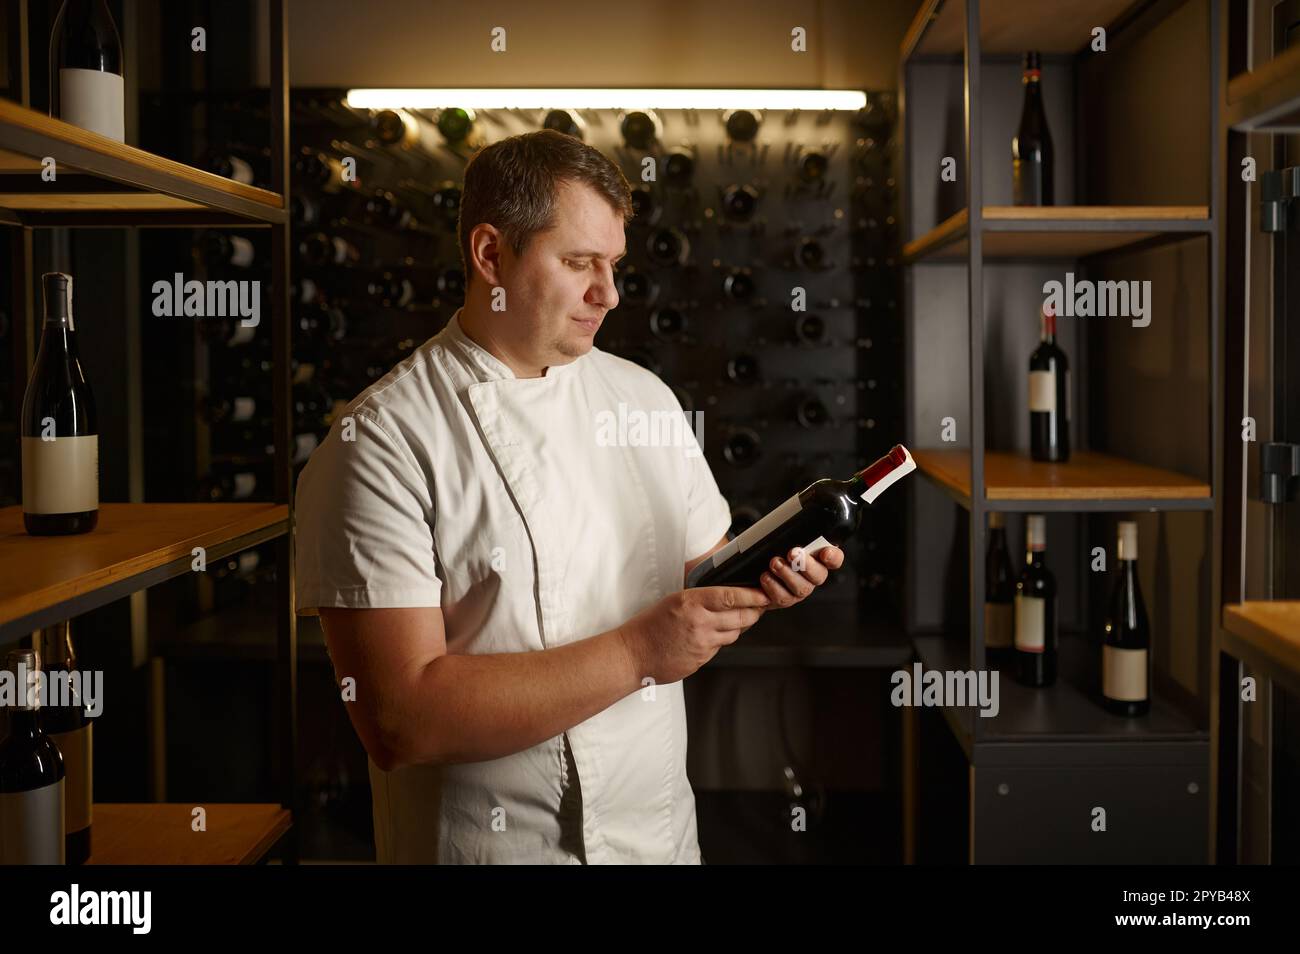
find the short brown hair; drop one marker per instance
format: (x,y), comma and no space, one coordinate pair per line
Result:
(511,184)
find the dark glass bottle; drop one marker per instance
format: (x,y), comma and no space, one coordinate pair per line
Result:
(827,512)
(999,596)
(1031,149)
(86,83)
(32,775)
(1049,397)
(1126,637)
(1036,634)
(60,438)
(71,728)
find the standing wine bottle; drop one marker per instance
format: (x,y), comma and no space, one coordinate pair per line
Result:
(1126,642)
(1049,397)
(71,729)
(86,86)
(825,513)
(1036,636)
(31,777)
(999,595)
(1031,149)
(60,440)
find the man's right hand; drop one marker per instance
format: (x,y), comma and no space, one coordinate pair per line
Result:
(671,639)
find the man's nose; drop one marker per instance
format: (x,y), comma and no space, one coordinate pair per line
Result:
(603,291)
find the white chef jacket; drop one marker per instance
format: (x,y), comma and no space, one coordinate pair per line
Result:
(493,497)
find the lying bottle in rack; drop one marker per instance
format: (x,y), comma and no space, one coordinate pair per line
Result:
(60,438)
(1126,636)
(827,512)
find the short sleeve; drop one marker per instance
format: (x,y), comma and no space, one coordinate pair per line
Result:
(708,515)
(364,518)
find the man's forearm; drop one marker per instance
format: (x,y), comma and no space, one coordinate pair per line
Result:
(471,708)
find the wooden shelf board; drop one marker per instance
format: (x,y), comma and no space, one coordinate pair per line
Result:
(1069,711)
(95,201)
(1271,628)
(1267,97)
(1049,26)
(161,833)
(1064,231)
(27,136)
(1086,476)
(131,542)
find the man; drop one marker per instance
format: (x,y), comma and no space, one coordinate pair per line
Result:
(505,592)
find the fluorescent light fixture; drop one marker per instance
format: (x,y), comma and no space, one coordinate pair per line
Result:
(774,99)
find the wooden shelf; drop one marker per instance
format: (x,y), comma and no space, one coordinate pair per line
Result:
(161,834)
(1049,26)
(104,182)
(1266,634)
(1267,98)
(1069,711)
(1058,232)
(47,579)
(1088,481)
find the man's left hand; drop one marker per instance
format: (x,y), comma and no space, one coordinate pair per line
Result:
(785,586)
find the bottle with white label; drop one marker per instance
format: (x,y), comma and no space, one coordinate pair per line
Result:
(60,439)
(999,595)
(1049,397)
(1036,636)
(86,85)
(826,513)
(1126,639)
(31,776)
(69,725)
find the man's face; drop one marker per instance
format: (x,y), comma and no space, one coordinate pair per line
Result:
(559,291)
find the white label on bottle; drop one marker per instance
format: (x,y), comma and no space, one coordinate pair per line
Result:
(884,483)
(303,445)
(31,826)
(1042,391)
(999,621)
(241,171)
(242,336)
(62,475)
(77,747)
(1031,612)
(1124,674)
(245,484)
(245,408)
(241,251)
(93,100)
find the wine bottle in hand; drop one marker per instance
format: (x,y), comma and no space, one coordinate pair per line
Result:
(60,439)
(826,513)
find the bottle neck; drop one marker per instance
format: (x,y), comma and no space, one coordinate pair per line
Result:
(1034,556)
(24,723)
(998,538)
(1049,329)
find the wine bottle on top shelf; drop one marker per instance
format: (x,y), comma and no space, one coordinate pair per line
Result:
(33,789)
(566,121)
(1049,396)
(1031,148)
(640,129)
(1126,637)
(60,435)
(827,512)
(460,128)
(1036,636)
(86,78)
(71,728)
(741,125)
(999,595)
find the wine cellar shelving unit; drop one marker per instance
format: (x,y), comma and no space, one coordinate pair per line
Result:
(105,184)
(1037,769)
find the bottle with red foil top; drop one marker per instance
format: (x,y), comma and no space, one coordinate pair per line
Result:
(826,513)
(1049,397)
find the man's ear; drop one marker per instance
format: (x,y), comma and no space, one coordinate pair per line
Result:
(485,245)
